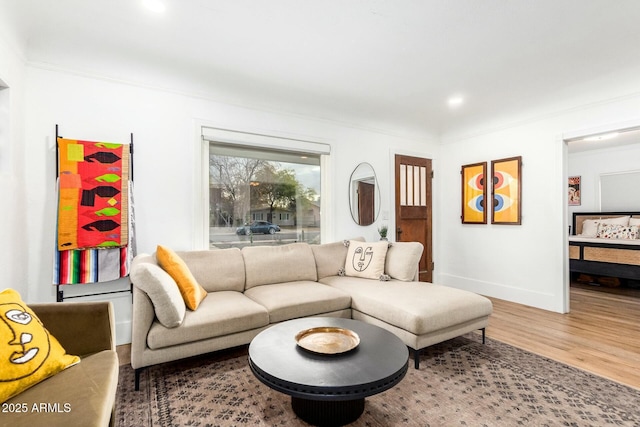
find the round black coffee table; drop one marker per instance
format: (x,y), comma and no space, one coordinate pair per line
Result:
(328,390)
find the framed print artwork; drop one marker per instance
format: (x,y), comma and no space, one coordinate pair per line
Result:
(574,191)
(474,193)
(506,188)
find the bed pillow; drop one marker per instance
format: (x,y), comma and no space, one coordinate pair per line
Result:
(634,221)
(614,231)
(29,354)
(366,259)
(621,220)
(190,289)
(589,228)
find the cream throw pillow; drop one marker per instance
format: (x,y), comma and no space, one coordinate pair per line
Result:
(403,259)
(330,257)
(161,289)
(366,259)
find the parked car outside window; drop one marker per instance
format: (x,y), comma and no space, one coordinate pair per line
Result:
(258,227)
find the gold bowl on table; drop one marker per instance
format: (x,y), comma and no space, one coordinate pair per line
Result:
(327,340)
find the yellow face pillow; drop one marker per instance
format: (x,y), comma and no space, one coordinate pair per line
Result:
(28,352)
(190,289)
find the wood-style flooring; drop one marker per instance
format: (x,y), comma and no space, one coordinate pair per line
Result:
(601,334)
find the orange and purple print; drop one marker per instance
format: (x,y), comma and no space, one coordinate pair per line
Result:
(506,190)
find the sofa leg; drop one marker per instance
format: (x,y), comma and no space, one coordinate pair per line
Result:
(483,335)
(138,378)
(416,359)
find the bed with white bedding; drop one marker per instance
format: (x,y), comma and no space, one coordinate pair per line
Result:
(605,244)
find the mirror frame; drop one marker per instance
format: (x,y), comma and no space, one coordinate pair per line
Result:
(363,172)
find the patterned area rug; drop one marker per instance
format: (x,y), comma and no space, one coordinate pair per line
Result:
(460,383)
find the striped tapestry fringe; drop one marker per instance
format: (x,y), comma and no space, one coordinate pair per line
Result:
(90,266)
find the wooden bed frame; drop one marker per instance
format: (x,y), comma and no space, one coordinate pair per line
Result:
(606,258)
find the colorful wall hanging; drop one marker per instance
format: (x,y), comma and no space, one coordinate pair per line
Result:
(93,194)
(94,240)
(506,191)
(474,193)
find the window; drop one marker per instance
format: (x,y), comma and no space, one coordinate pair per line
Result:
(262,195)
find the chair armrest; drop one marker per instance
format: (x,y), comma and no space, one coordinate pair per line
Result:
(83,328)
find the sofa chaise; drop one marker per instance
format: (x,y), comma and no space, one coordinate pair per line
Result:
(251,288)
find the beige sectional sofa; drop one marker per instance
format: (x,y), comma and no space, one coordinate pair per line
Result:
(252,288)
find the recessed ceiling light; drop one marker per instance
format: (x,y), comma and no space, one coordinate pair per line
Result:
(455,101)
(602,137)
(156,6)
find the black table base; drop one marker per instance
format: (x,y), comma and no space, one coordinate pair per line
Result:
(327,413)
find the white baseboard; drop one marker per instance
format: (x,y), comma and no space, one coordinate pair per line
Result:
(123,332)
(545,301)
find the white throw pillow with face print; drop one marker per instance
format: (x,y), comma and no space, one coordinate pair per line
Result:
(366,259)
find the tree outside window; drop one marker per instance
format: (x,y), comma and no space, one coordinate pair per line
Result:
(279,188)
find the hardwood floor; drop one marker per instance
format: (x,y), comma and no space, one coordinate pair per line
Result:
(601,334)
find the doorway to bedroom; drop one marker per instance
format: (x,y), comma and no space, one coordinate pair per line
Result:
(603,176)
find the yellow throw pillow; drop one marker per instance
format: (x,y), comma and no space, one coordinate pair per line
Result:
(28,352)
(190,289)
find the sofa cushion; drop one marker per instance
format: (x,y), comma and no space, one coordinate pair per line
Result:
(265,265)
(161,289)
(366,259)
(220,313)
(190,289)
(291,300)
(29,354)
(216,269)
(402,260)
(82,395)
(330,257)
(417,307)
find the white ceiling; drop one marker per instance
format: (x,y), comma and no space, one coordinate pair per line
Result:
(621,139)
(385,64)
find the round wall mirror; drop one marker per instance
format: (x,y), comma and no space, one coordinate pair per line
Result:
(364,195)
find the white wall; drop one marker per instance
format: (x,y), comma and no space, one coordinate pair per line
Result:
(13,224)
(166,152)
(526,263)
(589,165)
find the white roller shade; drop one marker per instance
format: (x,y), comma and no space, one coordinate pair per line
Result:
(239,138)
(620,191)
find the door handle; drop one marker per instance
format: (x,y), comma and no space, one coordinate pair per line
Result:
(398,233)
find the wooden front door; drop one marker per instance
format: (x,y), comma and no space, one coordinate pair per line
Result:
(413,177)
